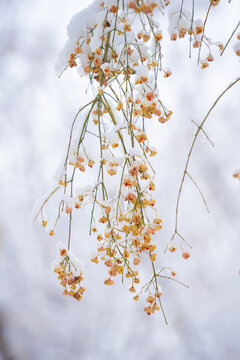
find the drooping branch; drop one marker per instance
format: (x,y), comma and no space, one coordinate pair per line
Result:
(185,172)
(234,31)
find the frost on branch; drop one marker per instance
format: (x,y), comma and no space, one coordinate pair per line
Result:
(118,46)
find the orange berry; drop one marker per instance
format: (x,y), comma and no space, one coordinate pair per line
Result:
(78,50)
(68,210)
(185,255)
(109,282)
(136,261)
(172,248)
(132,4)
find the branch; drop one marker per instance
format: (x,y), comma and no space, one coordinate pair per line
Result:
(191,150)
(230,38)
(204,26)
(204,133)
(200,192)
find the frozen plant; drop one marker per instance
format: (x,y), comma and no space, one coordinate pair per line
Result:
(117,44)
(69,270)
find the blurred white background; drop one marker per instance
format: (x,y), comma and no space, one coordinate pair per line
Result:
(36,110)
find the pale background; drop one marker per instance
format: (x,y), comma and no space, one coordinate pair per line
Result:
(36,110)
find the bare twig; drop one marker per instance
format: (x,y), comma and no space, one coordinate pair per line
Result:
(230,38)
(204,133)
(45,201)
(200,191)
(190,153)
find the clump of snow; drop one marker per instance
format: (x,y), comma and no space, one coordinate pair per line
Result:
(77,28)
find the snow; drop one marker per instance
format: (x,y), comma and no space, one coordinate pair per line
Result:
(36,321)
(79,24)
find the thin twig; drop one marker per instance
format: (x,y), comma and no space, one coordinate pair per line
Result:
(191,150)
(204,26)
(71,131)
(200,191)
(171,278)
(230,38)
(204,133)
(45,201)
(192,20)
